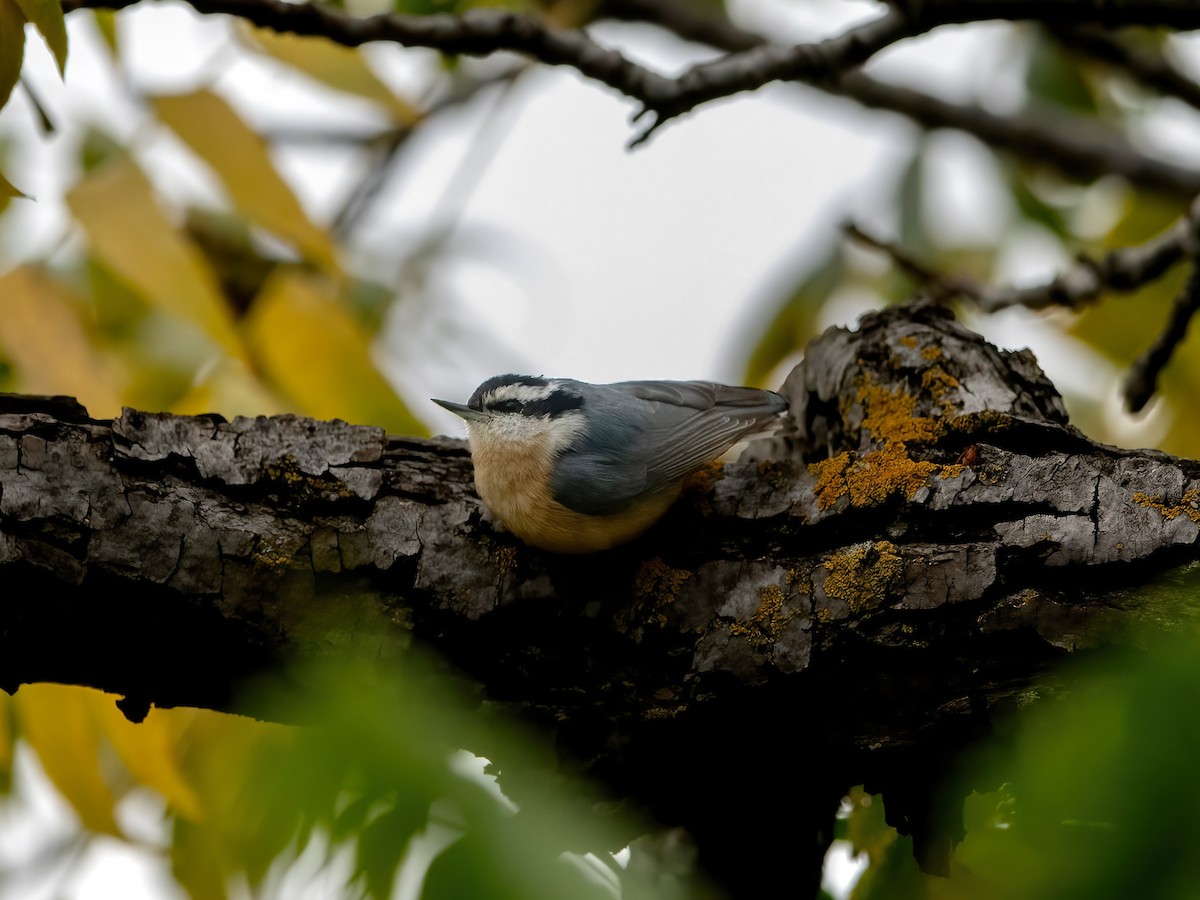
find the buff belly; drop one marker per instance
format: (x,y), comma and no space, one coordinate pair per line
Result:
(515,488)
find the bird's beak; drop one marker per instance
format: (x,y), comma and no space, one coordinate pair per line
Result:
(461,410)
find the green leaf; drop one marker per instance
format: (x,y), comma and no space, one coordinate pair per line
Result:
(47,18)
(12,47)
(1056,76)
(382,844)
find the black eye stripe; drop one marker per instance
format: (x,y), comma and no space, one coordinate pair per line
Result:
(507,406)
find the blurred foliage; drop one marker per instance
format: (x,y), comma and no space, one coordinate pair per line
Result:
(374,771)
(244,308)
(1098,791)
(247,304)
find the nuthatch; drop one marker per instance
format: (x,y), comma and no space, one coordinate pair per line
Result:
(573,467)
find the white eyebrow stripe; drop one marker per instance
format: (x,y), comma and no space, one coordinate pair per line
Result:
(524,393)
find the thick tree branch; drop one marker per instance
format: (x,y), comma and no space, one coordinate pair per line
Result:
(893,574)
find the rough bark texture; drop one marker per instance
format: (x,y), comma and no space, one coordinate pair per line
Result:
(851,603)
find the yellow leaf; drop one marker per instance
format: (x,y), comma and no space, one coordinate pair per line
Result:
(341,68)
(12,47)
(130,235)
(315,352)
(6,741)
(57,723)
(47,18)
(41,334)
(211,128)
(7,190)
(150,751)
(106,23)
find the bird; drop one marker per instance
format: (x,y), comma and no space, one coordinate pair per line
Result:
(572,467)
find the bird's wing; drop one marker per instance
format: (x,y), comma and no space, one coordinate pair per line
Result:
(647,435)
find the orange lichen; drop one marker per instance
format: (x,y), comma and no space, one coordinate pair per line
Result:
(1188,505)
(767,622)
(909,341)
(871,480)
(657,581)
(866,576)
(938,382)
(932,352)
(888,415)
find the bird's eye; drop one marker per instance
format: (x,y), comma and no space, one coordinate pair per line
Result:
(507,406)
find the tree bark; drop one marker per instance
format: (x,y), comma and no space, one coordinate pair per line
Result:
(853,602)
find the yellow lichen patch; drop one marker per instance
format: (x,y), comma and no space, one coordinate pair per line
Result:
(888,415)
(909,341)
(286,470)
(506,559)
(938,382)
(952,471)
(655,579)
(865,577)
(932,352)
(765,626)
(1188,505)
(871,480)
(700,484)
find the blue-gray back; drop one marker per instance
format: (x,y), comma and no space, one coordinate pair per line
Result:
(643,437)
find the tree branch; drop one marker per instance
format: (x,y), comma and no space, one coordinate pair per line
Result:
(829,64)
(864,573)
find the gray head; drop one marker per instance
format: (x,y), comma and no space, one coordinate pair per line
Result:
(519,405)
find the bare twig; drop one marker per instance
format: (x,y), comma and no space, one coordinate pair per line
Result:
(1142,380)
(940,286)
(1083,283)
(1077,146)
(1151,68)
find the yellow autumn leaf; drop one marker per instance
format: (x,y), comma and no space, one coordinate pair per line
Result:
(8,190)
(217,134)
(150,751)
(132,236)
(341,68)
(318,355)
(42,336)
(6,741)
(57,722)
(47,18)
(12,47)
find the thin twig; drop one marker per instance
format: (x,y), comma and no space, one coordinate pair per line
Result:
(1150,67)
(940,286)
(1083,283)
(1076,146)
(1142,380)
